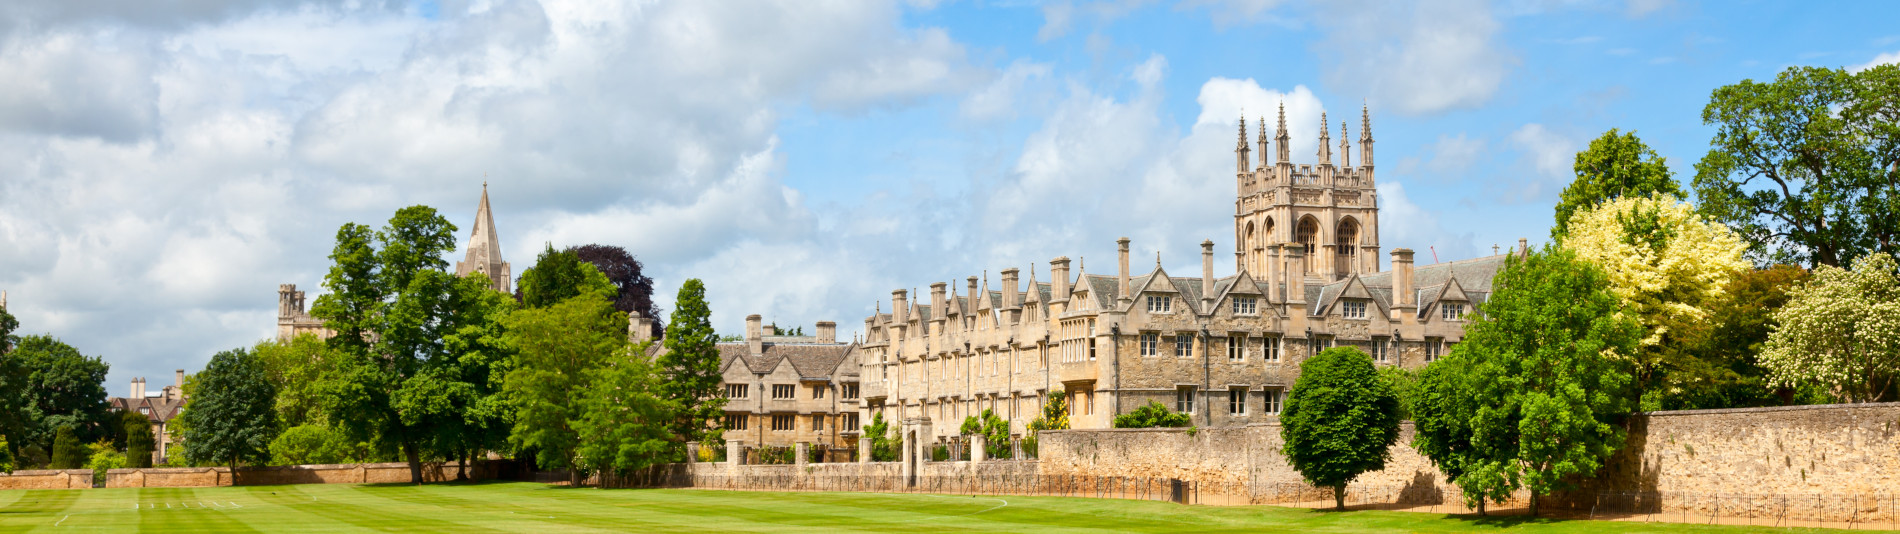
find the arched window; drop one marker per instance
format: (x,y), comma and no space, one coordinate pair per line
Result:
(1308,238)
(1346,245)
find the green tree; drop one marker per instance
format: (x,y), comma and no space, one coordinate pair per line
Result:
(101,457)
(1443,406)
(1615,165)
(1805,167)
(63,388)
(557,352)
(399,383)
(480,414)
(1841,330)
(690,367)
(993,430)
(624,424)
(1340,420)
(1404,383)
(298,369)
(1545,376)
(232,418)
(7,325)
(884,439)
(6,457)
(557,275)
(139,442)
(315,444)
(1152,415)
(1055,416)
(68,451)
(1726,348)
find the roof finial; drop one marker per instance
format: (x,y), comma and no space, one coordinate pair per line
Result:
(1157,259)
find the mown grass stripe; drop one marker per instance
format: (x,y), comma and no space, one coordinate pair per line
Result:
(43,502)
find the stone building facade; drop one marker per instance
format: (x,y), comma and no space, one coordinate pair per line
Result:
(158,409)
(1225,349)
(784,390)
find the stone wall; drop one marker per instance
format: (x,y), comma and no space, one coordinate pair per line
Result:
(47,479)
(1245,459)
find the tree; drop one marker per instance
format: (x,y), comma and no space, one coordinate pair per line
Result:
(557,351)
(232,417)
(1340,420)
(1055,416)
(398,384)
(6,457)
(624,424)
(1545,376)
(7,325)
(1841,330)
(993,430)
(315,444)
(635,289)
(884,439)
(298,369)
(1152,415)
(1806,167)
(1404,383)
(1727,347)
(557,275)
(1442,410)
(68,451)
(139,442)
(690,367)
(63,389)
(1667,266)
(101,457)
(1615,166)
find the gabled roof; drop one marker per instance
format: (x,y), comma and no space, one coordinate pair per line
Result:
(815,361)
(159,409)
(1471,278)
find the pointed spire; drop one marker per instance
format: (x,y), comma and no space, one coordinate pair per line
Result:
(1325,138)
(1345,149)
(1262,139)
(484,248)
(1243,161)
(1285,153)
(1035,293)
(1365,122)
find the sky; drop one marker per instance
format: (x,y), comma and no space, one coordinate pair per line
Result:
(165,165)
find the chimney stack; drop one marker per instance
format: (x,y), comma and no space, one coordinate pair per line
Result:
(1207,276)
(138,389)
(900,312)
(1404,290)
(1059,268)
(1012,288)
(1123,287)
(937,307)
(755,334)
(1296,274)
(1523,248)
(827,332)
(639,327)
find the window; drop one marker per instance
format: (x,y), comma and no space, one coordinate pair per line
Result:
(1184,399)
(818,391)
(1431,348)
(1275,396)
(1452,310)
(1088,402)
(1237,401)
(1237,348)
(850,421)
(1379,352)
(818,422)
(736,391)
(735,421)
(850,391)
(1245,306)
(1091,340)
(784,391)
(145,410)
(1319,343)
(1149,344)
(1183,345)
(1160,304)
(782,423)
(1353,309)
(1272,347)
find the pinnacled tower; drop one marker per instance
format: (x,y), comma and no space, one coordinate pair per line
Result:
(484,250)
(1327,211)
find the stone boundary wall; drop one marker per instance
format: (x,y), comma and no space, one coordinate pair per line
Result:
(1229,460)
(46,479)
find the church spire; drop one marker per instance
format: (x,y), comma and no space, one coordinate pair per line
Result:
(484,249)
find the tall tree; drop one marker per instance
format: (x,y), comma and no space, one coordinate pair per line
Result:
(1806,167)
(624,423)
(1340,420)
(481,359)
(233,417)
(628,275)
(690,367)
(1841,330)
(1614,166)
(7,325)
(139,441)
(63,389)
(1668,266)
(396,384)
(557,275)
(1442,410)
(1728,345)
(69,452)
(298,369)
(558,350)
(1542,372)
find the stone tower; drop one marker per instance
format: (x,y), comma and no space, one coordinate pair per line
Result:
(1326,212)
(484,250)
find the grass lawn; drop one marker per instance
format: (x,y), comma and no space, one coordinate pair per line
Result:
(526,507)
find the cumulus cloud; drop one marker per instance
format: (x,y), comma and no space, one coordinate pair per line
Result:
(1403,223)
(1888,58)
(1418,58)
(1451,157)
(1226,13)
(1545,158)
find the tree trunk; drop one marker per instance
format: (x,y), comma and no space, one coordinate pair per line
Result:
(1534,504)
(1481,505)
(573,475)
(1339,497)
(461,472)
(415,463)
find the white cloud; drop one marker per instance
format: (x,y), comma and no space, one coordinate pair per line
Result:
(1226,13)
(1451,158)
(1404,224)
(1418,58)
(999,99)
(1642,8)
(1547,157)
(1889,58)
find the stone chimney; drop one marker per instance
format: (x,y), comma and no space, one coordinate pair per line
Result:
(138,389)
(900,312)
(1059,269)
(1012,296)
(755,334)
(1404,288)
(827,332)
(1296,274)
(1207,276)
(1122,286)
(1523,248)
(937,306)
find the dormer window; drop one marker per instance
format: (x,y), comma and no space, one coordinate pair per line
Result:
(1160,304)
(145,410)
(1452,310)
(1353,309)
(1246,306)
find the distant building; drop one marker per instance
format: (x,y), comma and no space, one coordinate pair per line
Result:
(159,409)
(783,390)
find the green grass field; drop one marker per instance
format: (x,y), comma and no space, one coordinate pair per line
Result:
(525,507)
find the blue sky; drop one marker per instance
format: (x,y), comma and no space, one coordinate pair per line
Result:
(162,170)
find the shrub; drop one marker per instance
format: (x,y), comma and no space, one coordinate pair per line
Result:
(68,452)
(1153,415)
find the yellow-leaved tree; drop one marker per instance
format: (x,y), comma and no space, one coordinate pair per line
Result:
(1665,262)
